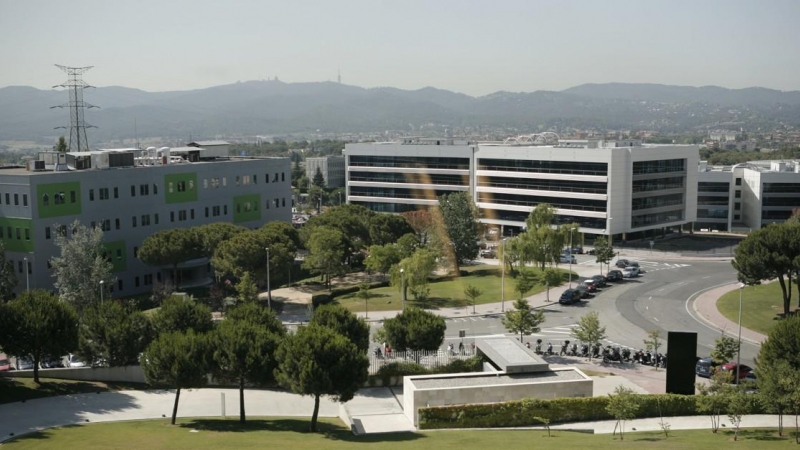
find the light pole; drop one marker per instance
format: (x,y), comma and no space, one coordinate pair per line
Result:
(340,198)
(739,348)
(101,291)
(503,279)
(27,276)
(570,256)
(403,287)
(269,293)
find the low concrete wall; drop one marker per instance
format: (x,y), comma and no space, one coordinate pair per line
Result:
(129,374)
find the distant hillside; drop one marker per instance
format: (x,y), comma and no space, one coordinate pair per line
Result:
(274,107)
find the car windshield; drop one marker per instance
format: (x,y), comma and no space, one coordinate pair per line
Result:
(3,362)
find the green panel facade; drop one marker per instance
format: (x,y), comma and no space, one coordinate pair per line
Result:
(117,255)
(17,234)
(58,199)
(180,187)
(246,208)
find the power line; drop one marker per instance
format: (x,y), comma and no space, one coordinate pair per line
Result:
(77,125)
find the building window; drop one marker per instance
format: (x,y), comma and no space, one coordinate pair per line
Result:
(148,279)
(738,194)
(205,183)
(16,199)
(738,181)
(206,211)
(158,276)
(119,284)
(215,211)
(136,282)
(19,266)
(283,176)
(736,217)
(119,253)
(8,199)
(46,232)
(224,181)
(58,198)
(156,218)
(27,234)
(225,210)
(144,189)
(19,235)
(145,220)
(155,189)
(103,193)
(133,221)
(45,200)
(72,196)
(275,180)
(172,216)
(94,224)
(181,186)
(255,179)
(135,252)
(116,224)
(24,199)
(116,192)
(237,180)
(737,206)
(283,202)
(30,268)
(133,191)
(182,215)
(267,207)
(266,178)
(215,182)
(106,224)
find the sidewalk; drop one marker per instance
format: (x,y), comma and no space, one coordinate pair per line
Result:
(705,305)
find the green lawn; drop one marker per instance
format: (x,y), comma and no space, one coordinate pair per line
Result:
(282,433)
(18,389)
(446,292)
(761,305)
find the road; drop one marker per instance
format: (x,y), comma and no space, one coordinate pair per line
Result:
(657,300)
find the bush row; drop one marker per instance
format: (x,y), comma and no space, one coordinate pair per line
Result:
(325,298)
(525,412)
(406,368)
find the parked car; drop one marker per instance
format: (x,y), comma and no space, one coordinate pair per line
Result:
(705,367)
(584,291)
(731,368)
(630,272)
(567,258)
(4,364)
(614,275)
(76,361)
(52,362)
(622,263)
(570,296)
(488,253)
(24,363)
(590,284)
(600,280)
(591,251)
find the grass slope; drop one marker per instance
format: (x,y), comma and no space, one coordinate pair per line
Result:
(291,433)
(761,305)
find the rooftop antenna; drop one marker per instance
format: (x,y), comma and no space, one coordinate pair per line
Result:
(339,75)
(136,133)
(77,126)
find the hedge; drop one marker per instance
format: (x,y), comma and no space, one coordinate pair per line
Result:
(325,298)
(406,368)
(523,413)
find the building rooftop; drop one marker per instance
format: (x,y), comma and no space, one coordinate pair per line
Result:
(207,143)
(463,380)
(510,356)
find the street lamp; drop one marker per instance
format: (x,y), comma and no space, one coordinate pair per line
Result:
(101,290)
(739,349)
(503,279)
(570,256)
(269,293)
(27,276)
(403,287)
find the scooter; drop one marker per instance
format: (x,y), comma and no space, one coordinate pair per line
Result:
(626,354)
(596,351)
(573,351)
(585,350)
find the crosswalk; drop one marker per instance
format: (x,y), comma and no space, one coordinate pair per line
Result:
(647,266)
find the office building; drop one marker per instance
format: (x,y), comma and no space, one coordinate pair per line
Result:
(623,189)
(331,167)
(132,194)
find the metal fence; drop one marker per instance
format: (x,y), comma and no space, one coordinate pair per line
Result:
(430,359)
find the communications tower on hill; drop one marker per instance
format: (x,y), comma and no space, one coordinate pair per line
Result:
(77,125)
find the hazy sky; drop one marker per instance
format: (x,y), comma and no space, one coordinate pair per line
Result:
(461,45)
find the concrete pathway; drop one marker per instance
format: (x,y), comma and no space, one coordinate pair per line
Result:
(705,307)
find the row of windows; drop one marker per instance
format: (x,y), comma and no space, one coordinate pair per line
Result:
(531,200)
(16,233)
(418,178)
(388,207)
(657,218)
(590,187)
(781,201)
(418,194)
(781,187)
(658,184)
(527,165)
(240,180)
(712,213)
(410,161)
(775,215)
(657,201)
(709,200)
(713,186)
(16,199)
(147,279)
(20,266)
(659,166)
(521,216)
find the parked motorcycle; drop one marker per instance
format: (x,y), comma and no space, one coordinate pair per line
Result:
(549,351)
(585,350)
(610,355)
(538,350)
(564,348)
(596,351)
(626,355)
(573,351)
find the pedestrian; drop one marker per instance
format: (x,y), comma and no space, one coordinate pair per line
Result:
(388,351)
(450,349)
(461,348)
(472,346)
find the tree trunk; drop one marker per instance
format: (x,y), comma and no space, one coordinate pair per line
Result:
(780,421)
(241,400)
(175,277)
(316,413)
(786,298)
(36,370)
(175,407)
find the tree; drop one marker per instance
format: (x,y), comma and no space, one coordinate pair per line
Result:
(777,384)
(542,243)
(37,325)
(588,329)
(247,252)
(61,146)
(176,360)
(8,280)
(114,333)
(246,289)
(81,265)
(407,245)
(725,347)
(258,315)
(472,293)
(179,315)
(525,281)
(422,223)
(459,217)
(244,352)
(778,364)
(170,248)
(326,252)
(522,319)
(388,228)
(351,220)
(623,405)
(738,405)
(416,270)
(364,294)
(381,258)
(316,195)
(603,252)
(341,320)
(653,342)
(210,236)
(319,179)
(318,361)
(415,329)
(713,397)
(552,277)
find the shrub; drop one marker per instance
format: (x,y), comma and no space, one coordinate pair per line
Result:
(406,368)
(321,299)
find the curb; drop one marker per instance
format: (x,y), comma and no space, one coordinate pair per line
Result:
(716,326)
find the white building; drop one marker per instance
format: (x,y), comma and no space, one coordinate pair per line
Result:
(609,187)
(331,167)
(746,196)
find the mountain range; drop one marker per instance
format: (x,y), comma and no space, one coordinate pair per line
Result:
(277,108)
